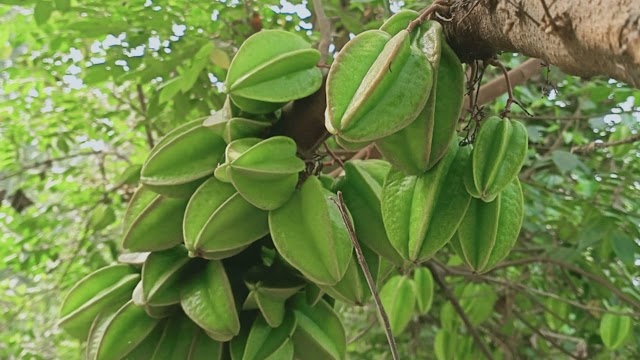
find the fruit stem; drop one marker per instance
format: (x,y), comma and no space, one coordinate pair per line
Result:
(511,99)
(436,6)
(367,274)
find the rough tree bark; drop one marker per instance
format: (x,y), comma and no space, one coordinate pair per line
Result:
(581,37)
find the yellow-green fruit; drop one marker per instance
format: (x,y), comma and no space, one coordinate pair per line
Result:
(154,311)
(423,288)
(556,314)
(271,68)
(182,339)
(361,188)
(266,174)
(419,146)
(422,213)
(269,289)
(497,157)
(614,330)
(209,301)
(399,21)
(219,222)
(152,222)
(399,300)
(181,161)
(122,332)
(264,341)
(353,288)
(489,230)
(319,334)
(309,233)
(233,128)
(162,275)
(377,85)
(101,291)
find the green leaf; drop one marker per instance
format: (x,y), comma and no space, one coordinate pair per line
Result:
(625,247)
(63,5)
(565,161)
(170,88)
(42,11)
(101,217)
(220,58)
(130,176)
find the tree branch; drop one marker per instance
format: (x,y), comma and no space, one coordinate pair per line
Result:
(143,110)
(602,38)
(599,145)
(602,281)
(498,86)
(324,26)
(48,162)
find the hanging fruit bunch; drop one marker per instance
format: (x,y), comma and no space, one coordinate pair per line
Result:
(242,250)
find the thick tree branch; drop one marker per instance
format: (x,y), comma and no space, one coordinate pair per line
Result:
(582,38)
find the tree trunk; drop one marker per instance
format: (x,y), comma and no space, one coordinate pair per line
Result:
(581,37)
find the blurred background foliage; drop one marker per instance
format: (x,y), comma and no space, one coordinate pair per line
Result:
(88,86)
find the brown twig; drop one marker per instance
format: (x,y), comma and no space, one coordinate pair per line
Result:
(143,110)
(367,274)
(48,162)
(361,154)
(324,26)
(599,145)
(362,332)
(458,308)
(333,155)
(511,100)
(517,76)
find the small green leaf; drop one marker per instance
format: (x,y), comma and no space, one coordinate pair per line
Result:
(565,161)
(220,58)
(625,247)
(42,12)
(101,217)
(170,89)
(130,176)
(63,5)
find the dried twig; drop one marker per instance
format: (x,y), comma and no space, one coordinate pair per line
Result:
(599,145)
(361,154)
(333,155)
(367,274)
